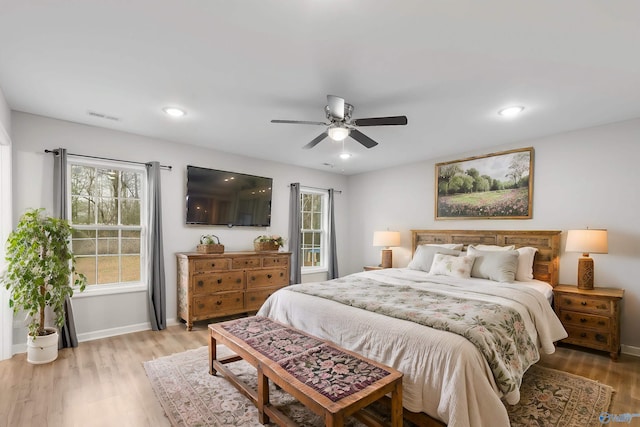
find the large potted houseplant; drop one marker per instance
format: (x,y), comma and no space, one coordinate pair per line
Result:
(41,273)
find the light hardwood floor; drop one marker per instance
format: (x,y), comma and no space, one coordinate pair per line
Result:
(103,382)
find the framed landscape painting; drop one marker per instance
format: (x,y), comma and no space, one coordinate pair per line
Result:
(492,186)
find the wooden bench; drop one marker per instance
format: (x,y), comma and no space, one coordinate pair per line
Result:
(329,380)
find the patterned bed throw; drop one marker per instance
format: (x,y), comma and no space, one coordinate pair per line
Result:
(497,331)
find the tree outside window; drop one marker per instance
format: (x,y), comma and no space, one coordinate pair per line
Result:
(313,233)
(106,211)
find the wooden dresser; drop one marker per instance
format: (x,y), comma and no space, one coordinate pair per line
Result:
(214,285)
(591,317)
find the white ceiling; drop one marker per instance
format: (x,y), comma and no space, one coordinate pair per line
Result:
(235,65)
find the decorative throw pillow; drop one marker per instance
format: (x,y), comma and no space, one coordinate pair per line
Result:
(423,257)
(493,247)
(499,266)
(454,246)
(451,265)
(526,255)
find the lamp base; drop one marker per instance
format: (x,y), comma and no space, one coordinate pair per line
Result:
(386,258)
(585,272)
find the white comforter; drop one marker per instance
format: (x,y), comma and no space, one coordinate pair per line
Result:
(445,375)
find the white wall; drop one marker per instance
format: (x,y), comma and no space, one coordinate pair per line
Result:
(32,188)
(584,178)
(6,329)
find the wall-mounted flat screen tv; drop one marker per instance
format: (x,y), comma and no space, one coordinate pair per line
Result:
(216,197)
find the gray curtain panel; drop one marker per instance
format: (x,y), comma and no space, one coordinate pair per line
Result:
(294,232)
(157,303)
(332,264)
(68,337)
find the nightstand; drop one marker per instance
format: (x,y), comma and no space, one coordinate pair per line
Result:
(372,267)
(591,317)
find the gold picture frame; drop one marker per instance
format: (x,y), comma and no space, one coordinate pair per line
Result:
(491,186)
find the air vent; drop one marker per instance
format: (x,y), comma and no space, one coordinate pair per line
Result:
(103,116)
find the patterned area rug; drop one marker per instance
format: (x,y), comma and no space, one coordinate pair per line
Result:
(191,397)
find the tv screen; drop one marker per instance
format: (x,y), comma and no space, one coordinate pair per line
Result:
(216,197)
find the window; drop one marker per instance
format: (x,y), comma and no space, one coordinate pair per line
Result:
(313,209)
(107,214)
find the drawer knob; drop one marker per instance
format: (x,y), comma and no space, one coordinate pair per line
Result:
(219,281)
(583,303)
(281,274)
(601,338)
(582,320)
(567,301)
(200,305)
(213,264)
(269,276)
(218,302)
(601,322)
(253,277)
(567,317)
(200,283)
(238,280)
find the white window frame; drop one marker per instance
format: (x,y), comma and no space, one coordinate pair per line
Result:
(120,287)
(324,232)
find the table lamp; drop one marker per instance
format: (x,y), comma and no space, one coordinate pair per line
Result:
(386,239)
(586,241)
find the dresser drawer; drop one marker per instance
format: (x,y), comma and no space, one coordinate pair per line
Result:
(593,339)
(267,277)
(583,320)
(212,305)
(584,304)
(217,282)
(275,261)
(252,262)
(253,300)
(211,264)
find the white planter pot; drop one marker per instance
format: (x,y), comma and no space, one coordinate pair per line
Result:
(42,349)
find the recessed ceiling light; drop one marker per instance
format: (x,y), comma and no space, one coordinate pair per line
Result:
(174,112)
(511,111)
(345,156)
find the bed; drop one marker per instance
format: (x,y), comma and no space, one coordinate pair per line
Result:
(409,318)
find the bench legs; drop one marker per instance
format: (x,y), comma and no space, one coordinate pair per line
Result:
(263,396)
(212,354)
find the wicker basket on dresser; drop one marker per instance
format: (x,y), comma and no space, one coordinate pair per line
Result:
(215,285)
(591,317)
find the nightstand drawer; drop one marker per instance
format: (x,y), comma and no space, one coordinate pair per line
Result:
(591,321)
(584,304)
(592,339)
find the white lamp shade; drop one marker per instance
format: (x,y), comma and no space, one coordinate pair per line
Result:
(386,238)
(587,241)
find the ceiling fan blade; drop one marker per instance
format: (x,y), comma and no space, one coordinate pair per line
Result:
(300,122)
(316,140)
(336,106)
(362,138)
(381,121)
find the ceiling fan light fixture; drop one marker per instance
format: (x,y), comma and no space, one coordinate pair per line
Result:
(511,111)
(338,133)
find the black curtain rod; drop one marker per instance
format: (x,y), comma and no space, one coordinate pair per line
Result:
(318,188)
(106,158)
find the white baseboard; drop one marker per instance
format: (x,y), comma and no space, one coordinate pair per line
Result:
(104,333)
(630,350)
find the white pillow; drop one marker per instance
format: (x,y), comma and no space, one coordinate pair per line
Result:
(454,246)
(493,247)
(451,265)
(423,257)
(524,273)
(499,266)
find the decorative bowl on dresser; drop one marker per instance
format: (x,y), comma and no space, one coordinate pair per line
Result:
(591,317)
(215,285)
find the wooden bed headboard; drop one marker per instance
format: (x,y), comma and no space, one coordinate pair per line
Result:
(545,265)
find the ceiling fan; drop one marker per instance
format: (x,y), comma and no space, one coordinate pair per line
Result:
(341,124)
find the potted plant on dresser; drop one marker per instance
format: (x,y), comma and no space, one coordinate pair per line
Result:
(41,273)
